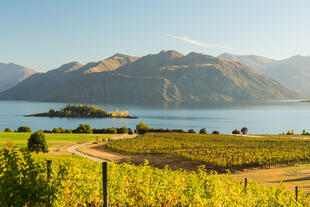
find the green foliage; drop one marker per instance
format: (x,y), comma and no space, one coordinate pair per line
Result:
(111,131)
(191,131)
(203,131)
(142,127)
(24,129)
(84,129)
(8,130)
(22,181)
(56,130)
(68,131)
(123,130)
(37,142)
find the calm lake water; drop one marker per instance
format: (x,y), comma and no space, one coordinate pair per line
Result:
(263,118)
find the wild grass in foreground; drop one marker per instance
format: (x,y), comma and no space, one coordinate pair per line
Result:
(76,181)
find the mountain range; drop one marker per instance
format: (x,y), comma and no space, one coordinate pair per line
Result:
(293,72)
(11,74)
(166,77)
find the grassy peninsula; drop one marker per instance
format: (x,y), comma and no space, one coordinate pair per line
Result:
(86,111)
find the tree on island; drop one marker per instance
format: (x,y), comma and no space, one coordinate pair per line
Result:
(37,142)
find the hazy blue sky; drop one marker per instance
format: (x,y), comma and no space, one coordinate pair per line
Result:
(43,34)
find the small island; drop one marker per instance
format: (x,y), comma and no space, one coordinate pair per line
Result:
(80,111)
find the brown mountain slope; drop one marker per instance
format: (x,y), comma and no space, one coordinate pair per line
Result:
(293,72)
(172,77)
(40,86)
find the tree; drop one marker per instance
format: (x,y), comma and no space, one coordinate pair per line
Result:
(142,128)
(56,130)
(244,130)
(236,131)
(192,131)
(84,129)
(37,142)
(123,130)
(203,131)
(142,125)
(111,131)
(8,130)
(24,129)
(215,132)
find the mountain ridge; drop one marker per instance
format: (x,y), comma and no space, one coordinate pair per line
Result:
(11,74)
(165,77)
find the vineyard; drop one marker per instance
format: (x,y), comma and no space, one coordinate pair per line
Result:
(77,181)
(220,152)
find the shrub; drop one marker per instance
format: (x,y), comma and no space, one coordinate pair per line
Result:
(192,131)
(215,132)
(84,129)
(68,131)
(23,182)
(236,131)
(37,142)
(142,128)
(111,131)
(203,131)
(56,130)
(24,129)
(244,130)
(62,130)
(8,130)
(123,130)
(304,132)
(130,131)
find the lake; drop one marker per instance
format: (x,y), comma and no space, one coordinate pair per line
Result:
(259,118)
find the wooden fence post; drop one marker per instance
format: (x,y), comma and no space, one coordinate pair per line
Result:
(296,193)
(245,184)
(49,169)
(48,175)
(105,183)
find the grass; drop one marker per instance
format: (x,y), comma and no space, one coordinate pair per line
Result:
(298,175)
(53,140)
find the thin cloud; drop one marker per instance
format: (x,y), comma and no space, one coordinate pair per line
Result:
(202,44)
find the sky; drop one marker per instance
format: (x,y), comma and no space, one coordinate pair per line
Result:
(44,34)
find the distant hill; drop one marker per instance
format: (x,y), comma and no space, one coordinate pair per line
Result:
(257,62)
(166,77)
(45,86)
(11,74)
(293,72)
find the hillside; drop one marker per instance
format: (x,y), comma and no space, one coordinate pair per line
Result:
(11,74)
(42,85)
(293,72)
(166,77)
(257,62)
